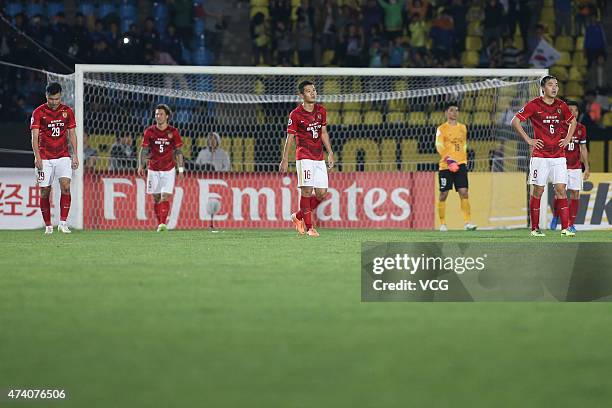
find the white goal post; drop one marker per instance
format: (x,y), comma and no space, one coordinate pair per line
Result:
(395,107)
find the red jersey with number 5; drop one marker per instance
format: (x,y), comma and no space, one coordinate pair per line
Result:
(53,126)
(572,150)
(548,123)
(161,144)
(306,126)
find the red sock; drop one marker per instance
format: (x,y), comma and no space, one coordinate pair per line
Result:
(64,206)
(164,208)
(573,208)
(534,212)
(314,202)
(305,209)
(299,215)
(563,211)
(156,210)
(45,209)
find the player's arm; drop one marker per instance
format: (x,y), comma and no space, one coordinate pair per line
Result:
(285,159)
(327,144)
(72,148)
(570,132)
(36,149)
(516,124)
(143,156)
(584,158)
(179,159)
(439,142)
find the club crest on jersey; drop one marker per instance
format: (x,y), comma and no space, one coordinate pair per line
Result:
(319,116)
(64,114)
(169,135)
(522,110)
(558,110)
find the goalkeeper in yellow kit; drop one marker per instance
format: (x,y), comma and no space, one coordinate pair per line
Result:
(451,144)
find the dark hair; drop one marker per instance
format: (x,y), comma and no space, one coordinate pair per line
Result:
(573,103)
(53,88)
(450,104)
(303,85)
(547,78)
(165,108)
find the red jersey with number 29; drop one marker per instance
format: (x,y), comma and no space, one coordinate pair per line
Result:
(548,123)
(306,126)
(572,150)
(161,144)
(53,126)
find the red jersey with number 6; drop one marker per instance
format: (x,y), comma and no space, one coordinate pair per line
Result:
(572,150)
(548,122)
(306,126)
(161,144)
(53,126)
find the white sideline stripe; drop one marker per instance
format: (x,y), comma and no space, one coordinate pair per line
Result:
(315,71)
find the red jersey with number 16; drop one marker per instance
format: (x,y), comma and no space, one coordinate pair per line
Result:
(572,150)
(53,126)
(161,144)
(306,126)
(548,123)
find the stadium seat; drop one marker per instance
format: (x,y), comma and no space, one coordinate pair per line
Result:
(547,14)
(106,8)
(473,43)
(579,59)
(437,118)
(396,117)
(33,9)
(573,88)
(575,74)
(484,103)
(333,106)
(13,8)
(351,106)
(259,88)
(474,29)
(54,7)
(559,72)
(262,10)
(470,59)
(334,117)
(564,43)
(400,85)
(417,118)
(351,118)
(481,119)
(87,8)
(579,46)
(397,105)
(565,60)
(607,120)
(548,3)
(328,57)
(198,26)
(331,87)
(518,41)
(372,118)
(355,85)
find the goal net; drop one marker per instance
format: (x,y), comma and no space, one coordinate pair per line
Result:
(382,125)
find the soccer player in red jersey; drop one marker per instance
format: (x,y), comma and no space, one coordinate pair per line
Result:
(162,146)
(52,126)
(576,155)
(308,126)
(547,114)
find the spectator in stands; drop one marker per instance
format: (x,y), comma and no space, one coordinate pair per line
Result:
(592,110)
(352,47)
(563,17)
(60,34)
(398,53)
(173,44)
(597,75)
(214,25)
(122,153)
(376,54)
(17,109)
(540,34)
(329,29)
(303,37)
(418,34)
(102,54)
(36,30)
(493,21)
(131,50)
(420,7)
(149,34)
(282,41)
(261,40)
(442,36)
(98,32)
(594,40)
(213,157)
(89,153)
(113,36)
(81,38)
(582,16)
(372,16)
(491,55)
(458,12)
(280,10)
(511,56)
(393,17)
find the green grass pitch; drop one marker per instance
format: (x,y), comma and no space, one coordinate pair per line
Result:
(264,318)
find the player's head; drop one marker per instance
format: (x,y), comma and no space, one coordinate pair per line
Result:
(452,110)
(573,107)
(307,91)
(162,114)
(550,86)
(53,92)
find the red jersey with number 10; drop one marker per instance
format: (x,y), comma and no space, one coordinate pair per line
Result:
(53,126)
(548,123)
(161,144)
(306,126)
(572,150)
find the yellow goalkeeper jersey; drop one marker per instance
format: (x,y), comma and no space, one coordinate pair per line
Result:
(451,140)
